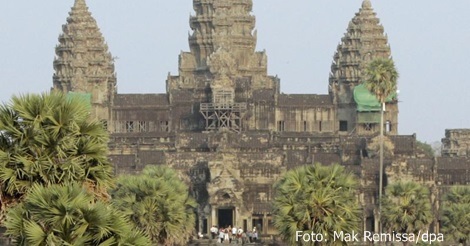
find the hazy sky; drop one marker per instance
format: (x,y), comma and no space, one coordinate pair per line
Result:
(430,42)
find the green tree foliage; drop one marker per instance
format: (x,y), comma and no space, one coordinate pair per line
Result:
(406,208)
(69,215)
(49,139)
(381,78)
(426,148)
(157,201)
(316,198)
(456,214)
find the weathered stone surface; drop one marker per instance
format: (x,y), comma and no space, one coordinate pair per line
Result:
(456,142)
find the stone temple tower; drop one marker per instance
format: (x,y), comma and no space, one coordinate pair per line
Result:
(222,70)
(363,41)
(83,66)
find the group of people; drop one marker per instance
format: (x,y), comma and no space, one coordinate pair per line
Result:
(229,235)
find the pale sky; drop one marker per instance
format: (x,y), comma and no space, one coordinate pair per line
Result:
(430,42)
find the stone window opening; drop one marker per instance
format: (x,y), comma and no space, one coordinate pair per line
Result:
(280,125)
(388,126)
(165,126)
(368,126)
(130,126)
(142,126)
(343,126)
(305,126)
(105,124)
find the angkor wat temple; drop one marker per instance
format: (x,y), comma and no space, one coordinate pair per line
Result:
(225,125)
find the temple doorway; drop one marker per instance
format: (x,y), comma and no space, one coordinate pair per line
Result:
(225,217)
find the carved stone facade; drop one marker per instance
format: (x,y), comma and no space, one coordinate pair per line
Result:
(225,126)
(456,143)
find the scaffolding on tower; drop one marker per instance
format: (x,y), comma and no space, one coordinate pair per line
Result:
(223,113)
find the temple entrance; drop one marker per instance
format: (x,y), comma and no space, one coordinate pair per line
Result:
(225,217)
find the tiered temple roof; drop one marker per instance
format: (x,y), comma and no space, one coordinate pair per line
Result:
(222,24)
(363,41)
(83,63)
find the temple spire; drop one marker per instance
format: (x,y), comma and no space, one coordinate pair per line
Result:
(366,4)
(222,24)
(363,41)
(80,4)
(83,63)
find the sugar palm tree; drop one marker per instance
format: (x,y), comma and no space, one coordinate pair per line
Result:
(157,202)
(316,198)
(456,214)
(50,139)
(406,208)
(381,80)
(69,215)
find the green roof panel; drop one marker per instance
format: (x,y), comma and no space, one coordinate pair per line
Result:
(85,97)
(366,101)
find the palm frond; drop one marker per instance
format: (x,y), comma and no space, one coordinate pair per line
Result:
(315,198)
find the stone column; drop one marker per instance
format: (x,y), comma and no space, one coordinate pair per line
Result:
(249,223)
(236,219)
(213,216)
(265,224)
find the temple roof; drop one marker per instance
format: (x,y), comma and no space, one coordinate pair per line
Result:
(140,100)
(363,41)
(309,100)
(82,55)
(80,4)
(225,24)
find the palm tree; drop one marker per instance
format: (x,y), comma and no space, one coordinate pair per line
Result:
(158,203)
(381,80)
(316,198)
(50,139)
(406,208)
(69,215)
(455,217)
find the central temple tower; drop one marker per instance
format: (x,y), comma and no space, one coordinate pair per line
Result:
(222,25)
(222,70)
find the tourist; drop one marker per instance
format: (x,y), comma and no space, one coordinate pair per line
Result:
(255,236)
(213,232)
(226,235)
(249,234)
(221,235)
(229,229)
(244,239)
(240,235)
(234,233)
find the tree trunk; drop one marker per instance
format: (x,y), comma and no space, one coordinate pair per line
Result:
(381,163)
